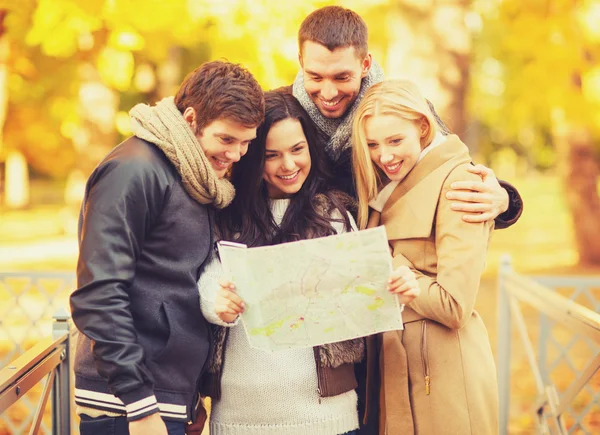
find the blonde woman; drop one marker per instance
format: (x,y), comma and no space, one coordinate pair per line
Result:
(438,375)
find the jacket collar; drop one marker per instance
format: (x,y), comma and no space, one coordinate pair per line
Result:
(384,194)
(414,201)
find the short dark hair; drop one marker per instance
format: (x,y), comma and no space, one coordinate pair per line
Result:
(335,27)
(222,89)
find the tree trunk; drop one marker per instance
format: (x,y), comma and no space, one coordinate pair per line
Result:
(96,134)
(582,196)
(169,73)
(580,172)
(4,52)
(430,44)
(453,49)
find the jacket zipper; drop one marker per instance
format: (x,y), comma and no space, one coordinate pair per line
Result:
(319,381)
(425,357)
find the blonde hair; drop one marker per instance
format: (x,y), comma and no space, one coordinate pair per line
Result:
(400,98)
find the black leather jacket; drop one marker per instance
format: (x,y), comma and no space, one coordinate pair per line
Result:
(142,242)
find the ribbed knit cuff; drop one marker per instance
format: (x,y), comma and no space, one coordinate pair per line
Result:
(515,207)
(208,311)
(208,286)
(219,322)
(140,403)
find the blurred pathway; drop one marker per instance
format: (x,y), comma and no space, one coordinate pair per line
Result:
(44,254)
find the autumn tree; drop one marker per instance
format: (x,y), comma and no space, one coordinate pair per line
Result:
(78,67)
(537,88)
(430,43)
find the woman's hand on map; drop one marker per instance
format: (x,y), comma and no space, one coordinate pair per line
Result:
(228,304)
(403,282)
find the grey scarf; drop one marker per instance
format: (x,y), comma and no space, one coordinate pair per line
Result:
(164,126)
(338,130)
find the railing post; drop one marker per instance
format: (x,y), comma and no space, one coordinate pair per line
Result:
(61,393)
(504,340)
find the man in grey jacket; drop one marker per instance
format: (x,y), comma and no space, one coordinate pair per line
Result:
(145,232)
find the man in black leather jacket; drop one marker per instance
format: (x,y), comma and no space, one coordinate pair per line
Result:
(145,231)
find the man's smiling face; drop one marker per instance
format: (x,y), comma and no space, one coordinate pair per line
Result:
(225,142)
(332,79)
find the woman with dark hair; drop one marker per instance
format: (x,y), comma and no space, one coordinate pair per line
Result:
(298,174)
(282,195)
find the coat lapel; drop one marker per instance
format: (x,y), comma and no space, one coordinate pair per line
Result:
(410,210)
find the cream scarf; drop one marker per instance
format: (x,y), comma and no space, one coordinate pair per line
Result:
(337,130)
(164,126)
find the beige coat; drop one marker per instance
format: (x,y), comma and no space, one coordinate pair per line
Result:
(438,375)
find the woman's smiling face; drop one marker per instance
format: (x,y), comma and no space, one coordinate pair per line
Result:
(287,159)
(394,143)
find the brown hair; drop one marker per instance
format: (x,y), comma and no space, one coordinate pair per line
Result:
(221,89)
(335,27)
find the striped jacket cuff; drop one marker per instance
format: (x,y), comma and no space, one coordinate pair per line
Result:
(138,408)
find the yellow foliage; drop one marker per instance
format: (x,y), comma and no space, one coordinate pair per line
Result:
(122,123)
(116,67)
(589,16)
(58,24)
(591,85)
(548,60)
(126,39)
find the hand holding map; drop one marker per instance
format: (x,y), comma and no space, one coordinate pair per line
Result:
(312,292)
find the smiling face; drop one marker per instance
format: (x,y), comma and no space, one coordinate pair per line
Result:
(394,143)
(223,141)
(287,159)
(332,79)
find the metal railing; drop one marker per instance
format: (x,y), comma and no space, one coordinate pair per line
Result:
(582,323)
(28,302)
(50,359)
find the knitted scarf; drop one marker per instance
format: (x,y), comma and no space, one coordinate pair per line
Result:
(337,130)
(164,126)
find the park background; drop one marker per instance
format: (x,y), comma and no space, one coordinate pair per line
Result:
(517,80)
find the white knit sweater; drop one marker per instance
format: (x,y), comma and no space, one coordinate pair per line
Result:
(271,393)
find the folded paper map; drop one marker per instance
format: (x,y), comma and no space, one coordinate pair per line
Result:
(312,292)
